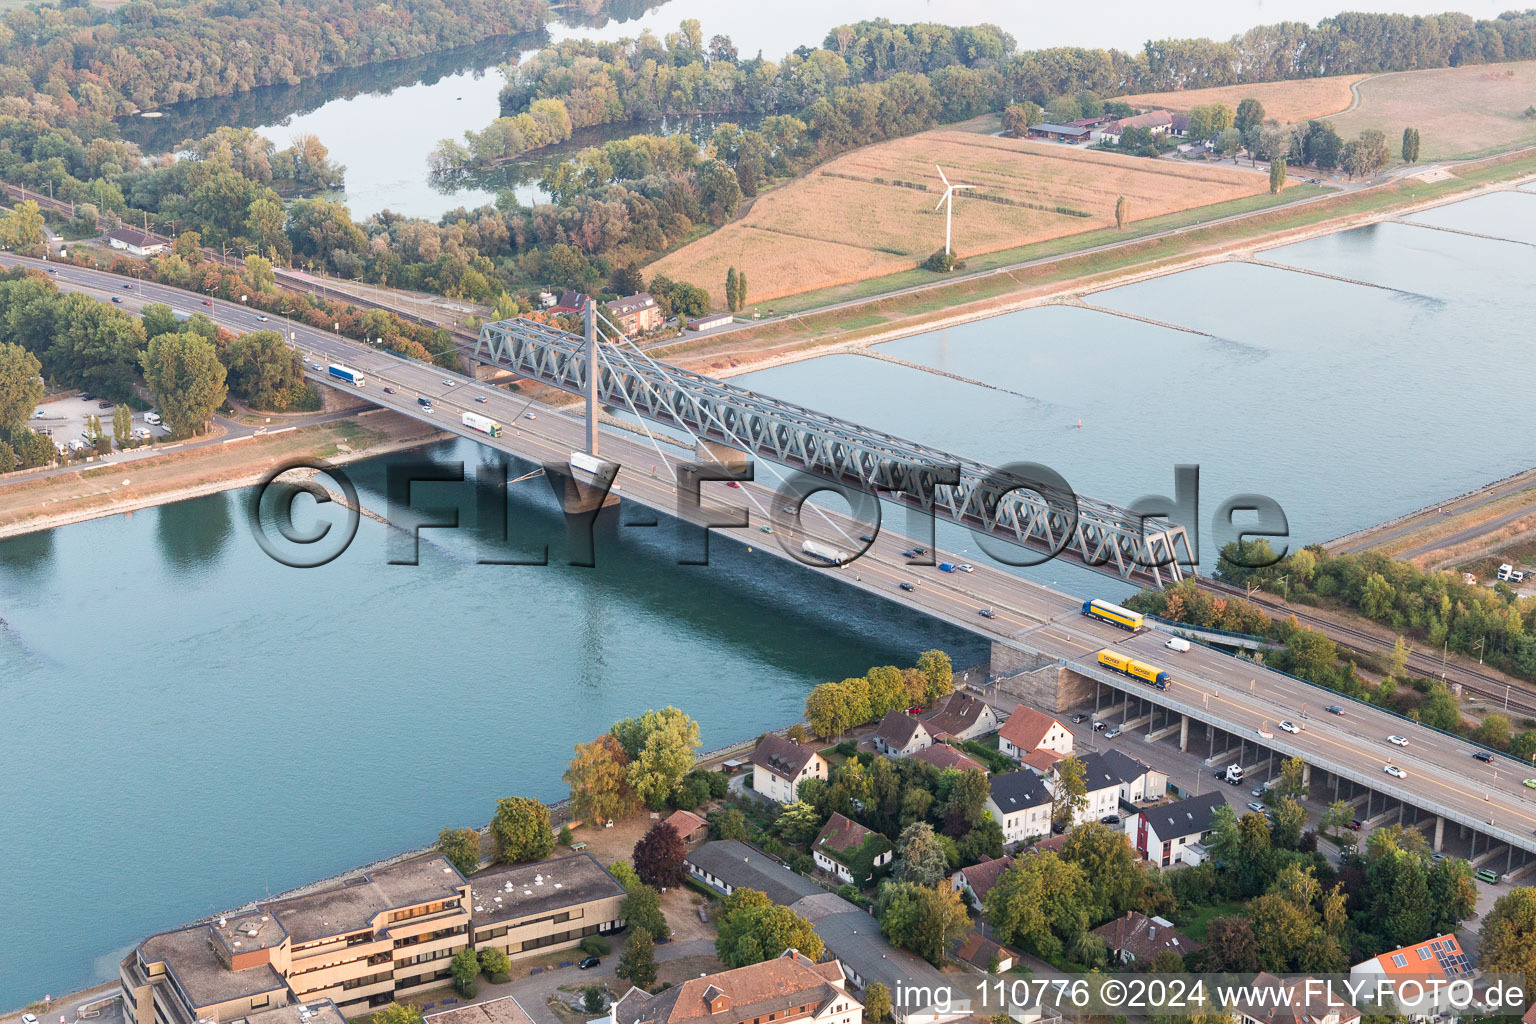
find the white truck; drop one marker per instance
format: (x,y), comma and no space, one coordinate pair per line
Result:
(1234,774)
(484,424)
(823,553)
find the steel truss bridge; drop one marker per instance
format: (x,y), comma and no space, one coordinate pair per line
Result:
(1013,504)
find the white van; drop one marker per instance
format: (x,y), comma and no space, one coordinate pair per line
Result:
(153,419)
(1505,571)
(1178,644)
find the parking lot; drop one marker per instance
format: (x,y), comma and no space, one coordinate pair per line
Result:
(66,420)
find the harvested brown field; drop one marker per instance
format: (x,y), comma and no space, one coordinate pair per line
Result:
(1299,100)
(1459,112)
(871,212)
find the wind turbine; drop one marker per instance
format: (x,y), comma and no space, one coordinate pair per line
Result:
(949,197)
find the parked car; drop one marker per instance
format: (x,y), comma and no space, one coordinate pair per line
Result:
(589,963)
(1258,790)
(914,710)
(1111,734)
(1079,718)
(1355,824)
(1099,727)
(1254,805)
(103,405)
(1110,819)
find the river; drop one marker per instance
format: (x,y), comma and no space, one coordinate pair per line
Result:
(383,121)
(193,726)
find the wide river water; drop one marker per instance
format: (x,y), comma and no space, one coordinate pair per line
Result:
(193,726)
(382,122)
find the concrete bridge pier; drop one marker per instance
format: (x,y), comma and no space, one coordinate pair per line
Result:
(1439,837)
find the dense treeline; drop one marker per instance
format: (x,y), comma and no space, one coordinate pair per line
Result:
(112,60)
(977,68)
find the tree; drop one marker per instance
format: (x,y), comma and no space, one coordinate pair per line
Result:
(264,371)
(464,967)
(877,1002)
(1122,213)
(642,908)
(495,962)
(658,856)
(397,1013)
(184,374)
(1038,904)
(21,230)
(966,804)
(1410,145)
(521,830)
(462,848)
(1070,793)
(741,289)
(938,674)
(599,779)
(731,824)
(122,423)
(1276,175)
(753,929)
(660,746)
(1452,893)
(1109,865)
(1336,821)
(1230,946)
(1509,934)
(798,823)
(1290,819)
(732,295)
(1250,114)
(21,386)
(1018,118)
(921,918)
(637,963)
(592,999)
(919,857)
(1229,143)
(1366,155)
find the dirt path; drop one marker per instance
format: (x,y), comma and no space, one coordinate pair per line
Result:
(60,500)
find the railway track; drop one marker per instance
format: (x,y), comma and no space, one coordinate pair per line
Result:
(1515,697)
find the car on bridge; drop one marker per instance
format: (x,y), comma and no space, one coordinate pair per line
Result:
(1396,772)
(909,587)
(1483,756)
(481,398)
(128,287)
(389,391)
(1289,727)
(1334,709)
(447,383)
(263,318)
(1398,741)
(1529,783)
(966,567)
(987,613)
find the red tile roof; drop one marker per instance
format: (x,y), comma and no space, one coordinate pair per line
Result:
(1026,728)
(942,755)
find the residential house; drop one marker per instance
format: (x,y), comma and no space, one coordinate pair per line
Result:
(779,765)
(1113,778)
(1178,125)
(136,242)
(1040,761)
(1021,803)
(901,735)
(979,878)
(963,717)
(1028,730)
(942,756)
(502,1010)
(1137,938)
(637,313)
(850,851)
(984,954)
(570,302)
(1175,833)
(920,993)
(1155,121)
(1438,960)
(790,989)
(1298,1001)
(692,828)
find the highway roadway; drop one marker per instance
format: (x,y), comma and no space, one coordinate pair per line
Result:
(1237,695)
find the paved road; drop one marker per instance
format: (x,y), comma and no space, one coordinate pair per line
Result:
(1240,695)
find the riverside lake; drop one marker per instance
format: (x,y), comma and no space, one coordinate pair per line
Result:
(194,726)
(425,99)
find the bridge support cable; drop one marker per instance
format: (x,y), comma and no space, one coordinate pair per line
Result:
(1006,503)
(699,444)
